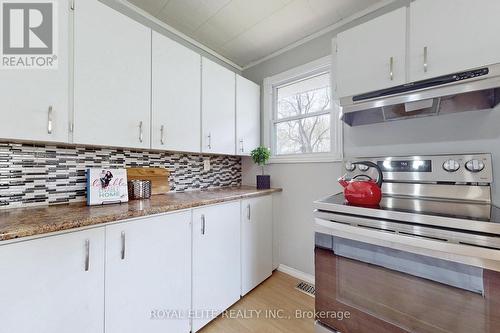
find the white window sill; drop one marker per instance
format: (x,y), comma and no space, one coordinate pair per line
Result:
(304,158)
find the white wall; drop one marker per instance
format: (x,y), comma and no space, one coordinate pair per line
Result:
(302,184)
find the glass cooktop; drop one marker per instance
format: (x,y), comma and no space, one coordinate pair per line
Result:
(452,209)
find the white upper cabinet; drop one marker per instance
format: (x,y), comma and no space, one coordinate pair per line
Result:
(216,260)
(218,108)
(148,270)
(448,36)
(247,116)
(256,241)
(176,116)
(371,56)
(112,77)
(34,103)
(53,284)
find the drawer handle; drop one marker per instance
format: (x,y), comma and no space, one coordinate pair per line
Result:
(49,119)
(123,246)
(391,68)
(141,133)
(87,255)
(162,137)
(209,140)
(241,146)
(202,224)
(249,213)
(425,59)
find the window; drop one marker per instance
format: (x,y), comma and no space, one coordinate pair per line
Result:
(301,113)
(302,116)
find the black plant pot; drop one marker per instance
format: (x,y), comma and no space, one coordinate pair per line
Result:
(263,182)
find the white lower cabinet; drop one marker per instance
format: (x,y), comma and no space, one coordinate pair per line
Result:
(256,242)
(148,275)
(53,284)
(216,261)
(144,275)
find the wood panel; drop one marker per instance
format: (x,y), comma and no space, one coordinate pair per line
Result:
(157,176)
(395,302)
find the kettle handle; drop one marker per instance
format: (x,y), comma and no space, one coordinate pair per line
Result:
(380,178)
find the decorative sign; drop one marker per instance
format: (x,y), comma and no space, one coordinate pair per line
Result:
(105,186)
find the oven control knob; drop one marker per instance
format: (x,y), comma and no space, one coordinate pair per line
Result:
(474,166)
(350,167)
(451,166)
(363,167)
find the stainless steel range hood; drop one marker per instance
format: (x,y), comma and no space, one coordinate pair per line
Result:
(477,89)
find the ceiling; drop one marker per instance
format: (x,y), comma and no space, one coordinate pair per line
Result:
(247,30)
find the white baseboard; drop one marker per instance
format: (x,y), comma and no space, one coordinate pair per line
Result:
(296,273)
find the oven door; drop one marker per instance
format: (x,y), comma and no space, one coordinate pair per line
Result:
(367,288)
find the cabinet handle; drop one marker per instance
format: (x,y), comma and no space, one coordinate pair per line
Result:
(123,245)
(162,131)
(249,212)
(202,224)
(141,134)
(87,255)
(49,120)
(391,66)
(425,59)
(241,146)
(209,140)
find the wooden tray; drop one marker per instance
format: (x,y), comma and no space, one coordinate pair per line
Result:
(157,176)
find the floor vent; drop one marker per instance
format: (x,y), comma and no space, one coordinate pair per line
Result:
(306,288)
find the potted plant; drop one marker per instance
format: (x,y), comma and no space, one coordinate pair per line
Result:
(260,156)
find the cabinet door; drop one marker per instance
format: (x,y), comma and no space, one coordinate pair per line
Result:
(216,261)
(148,274)
(371,56)
(256,242)
(34,103)
(46,287)
(450,36)
(218,108)
(176,116)
(247,116)
(112,77)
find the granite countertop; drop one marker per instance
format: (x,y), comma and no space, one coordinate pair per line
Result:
(24,222)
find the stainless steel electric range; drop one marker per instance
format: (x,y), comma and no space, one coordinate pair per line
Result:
(426,260)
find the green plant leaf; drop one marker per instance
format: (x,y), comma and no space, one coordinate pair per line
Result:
(261,155)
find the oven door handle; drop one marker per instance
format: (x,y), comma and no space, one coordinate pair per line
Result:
(464,254)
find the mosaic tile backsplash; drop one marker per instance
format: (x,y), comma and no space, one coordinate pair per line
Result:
(43,174)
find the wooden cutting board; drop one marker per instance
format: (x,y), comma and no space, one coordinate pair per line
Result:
(157,176)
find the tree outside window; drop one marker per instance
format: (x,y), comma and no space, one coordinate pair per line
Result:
(302,121)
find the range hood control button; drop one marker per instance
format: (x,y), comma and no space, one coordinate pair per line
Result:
(474,166)
(350,167)
(451,166)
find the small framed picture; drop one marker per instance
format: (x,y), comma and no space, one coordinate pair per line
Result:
(106,186)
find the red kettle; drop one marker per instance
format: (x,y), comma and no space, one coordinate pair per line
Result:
(366,192)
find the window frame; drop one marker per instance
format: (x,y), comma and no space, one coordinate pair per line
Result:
(272,84)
